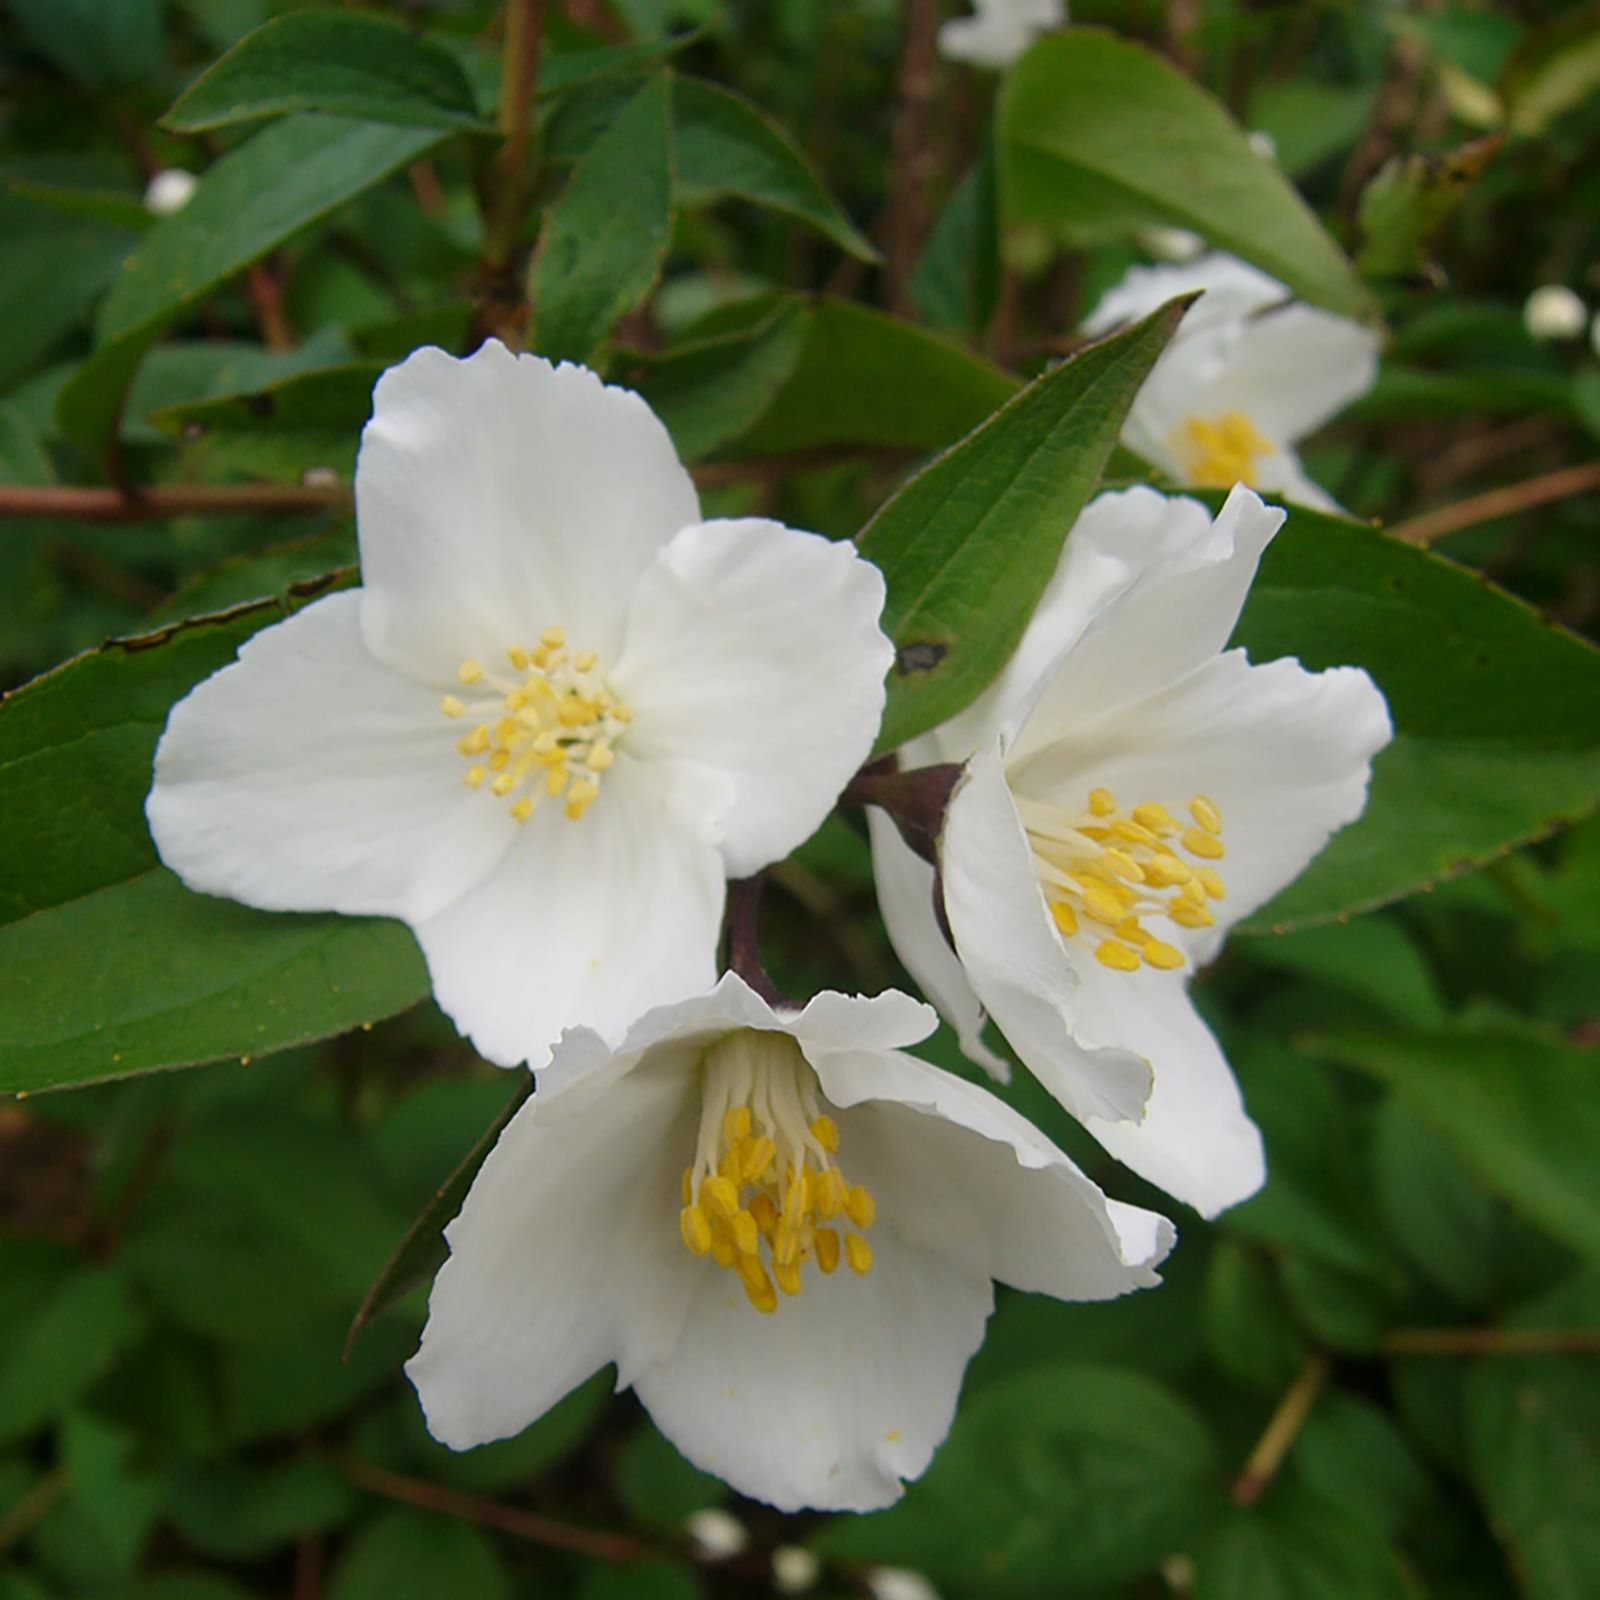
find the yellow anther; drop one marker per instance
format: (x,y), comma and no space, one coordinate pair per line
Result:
(1064,917)
(1103,903)
(516,700)
(861,1208)
(788,1275)
(736,1124)
(723,1250)
(1163,870)
(826,1244)
(695,1227)
(622,713)
(475,776)
(518,657)
(785,1241)
(765,1213)
(731,1168)
(1205,812)
(826,1132)
(583,791)
(574,711)
(1124,865)
(1188,915)
(523,809)
(602,757)
(1132,832)
(584,660)
(1211,882)
(470,671)
(1155,817)
(452,707)
(797,1199)
(1102,802)
(553,638)
(1193,891)
(504,784)
(556,780)
(1203,844)
(504,729)
(719,1196)
(757,1285)
(476,742)
(745,1233)
(687,1186)
(1224,450)
(832,1193)
(1116,955)
(538,657)
(1165,956)
(758,1158)
(1130,929)
(858,1253)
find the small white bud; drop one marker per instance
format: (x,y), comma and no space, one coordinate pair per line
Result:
(170,191)
(1171,244)
(794,1570)
(1553,311)
(716,1534)
(1263,144)
(899,1583)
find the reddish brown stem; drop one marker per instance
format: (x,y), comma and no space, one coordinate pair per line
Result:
(75,504)
(1281,1432)
(1492,1342)
(912,158)
(1506,502)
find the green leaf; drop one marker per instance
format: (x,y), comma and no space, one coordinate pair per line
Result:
(1497,720)
(1410,200)
(62,1347)
(658,1487)
(1520,1107)
(725,146)
(102,43)
(340,62)
(409,1552)
(1248,1326)
(115,1500)
(1554,71)
(423,1250)
(256,198)
(958,278)
(244,1513)
(1350,1453)
(108,966)
(968,545)
(647,1580)
(1098,135)
(1373,960)
(111,208)
(605,239)
(1065,1479)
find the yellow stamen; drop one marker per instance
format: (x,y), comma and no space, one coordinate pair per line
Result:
(826,1244)
(452,707)
(1065,918)
(1202,844)
(745,1233)
(1211,882)
(523,809)
(1205,812)
(1102,802)
(475,776)
(858,1253)
(553,638)
(827,1133)
(861,1207)
(1221,451)
(1165,956)
(1116,955)
(470,671)
(696,1229)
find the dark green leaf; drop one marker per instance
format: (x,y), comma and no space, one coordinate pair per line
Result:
(1410,200)
(1554,71)
(101,43)
(244,1513)
(659,1488)
(605,239)
(1098,135)
(1249,1329)
(408,1552)
(967,546)
(1350,1453)
(340,62)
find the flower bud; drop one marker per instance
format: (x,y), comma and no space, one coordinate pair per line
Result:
(716,1535)
(794,1570)
(170,190)
(1553,311)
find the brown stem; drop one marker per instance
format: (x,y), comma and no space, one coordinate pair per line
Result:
(744,938)
(1504,502)
(596,1542)
(912,158)
(1492,1342)
(74,504)
(916,800)
(266,294)
(1281,1432)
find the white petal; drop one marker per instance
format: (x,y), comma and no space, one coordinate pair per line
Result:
(1196,1141)
(498,496)
(585,922)
(1295,368)
(309,777)
(1185,578)
(956,1171)
(833,1399)
(906,887)
(1014,957)
(1285,754)
(1282,476)
(566,1255)
(1233,291)
(755,650)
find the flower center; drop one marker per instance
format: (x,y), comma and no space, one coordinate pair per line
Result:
(548,727)
(1221,451)
(765,1194)
(1103,870)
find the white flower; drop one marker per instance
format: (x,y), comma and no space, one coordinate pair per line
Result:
(561,710)
(899,1583)
(794,1569)
(679,1206)
(1248,374)
(170,190)
(999,30)
(1171,244)
(717,1534)
(1554,311)
(1123,767)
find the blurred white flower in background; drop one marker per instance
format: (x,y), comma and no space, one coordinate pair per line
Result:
(899,1583)
(170,190)
(717,1534)
(794,1569)
(1553,311)
(999,31)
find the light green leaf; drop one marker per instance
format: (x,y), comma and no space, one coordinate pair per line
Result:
(340,62)
(1065,1479)
(1520,1107)
(605,239)
(967,546)
(725,146)
(288,177)
(1497,720)
(108,966)
(1098,135)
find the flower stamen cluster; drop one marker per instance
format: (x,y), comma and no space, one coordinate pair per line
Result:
(765,1194)
(1223,450)
(1102,868)
(551,730)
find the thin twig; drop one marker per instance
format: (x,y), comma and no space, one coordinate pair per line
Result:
(266,294)
(1281,1432)
(1515,497)
(743,937)
(75,504)
(912,158)
(1492,1342)
(596,1542)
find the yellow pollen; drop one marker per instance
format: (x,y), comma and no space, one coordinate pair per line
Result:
(551,726)
(475,776)
(764,1194)
(1108,875)
(1221,451)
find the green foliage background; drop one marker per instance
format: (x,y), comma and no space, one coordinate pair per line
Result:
(1415,1294)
